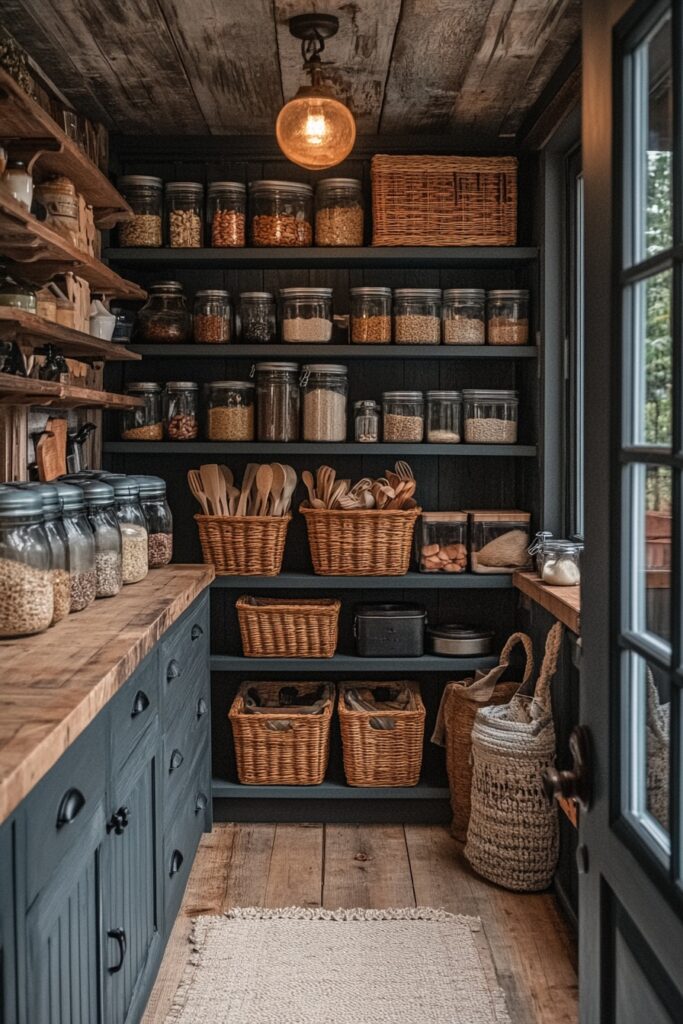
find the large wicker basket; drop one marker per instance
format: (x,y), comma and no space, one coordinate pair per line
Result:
(382,757)
(287,627)
(367,542)
(295,753)
(444,200)
(243,545)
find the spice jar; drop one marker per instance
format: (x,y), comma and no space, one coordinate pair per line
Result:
(441,542)
(158,518)
(60,199)
(306,315)
(277,401)
(339,212)
(17,296)
(81,547)
(133,526)
(561,563)
(499,541)
(184,214)
(443,416)
(366,421)
(56,538)
(230,411)
(417,316)
(464,316)
(164,317)
(27,604)
(255,322)
(371,316)
(281,213)
(226,203)
(181,419)
(403,418)
(143,193)
(490,416)
(324,388)
(212,317)
(143,423)
(99,504)
(507,313)
(19,182)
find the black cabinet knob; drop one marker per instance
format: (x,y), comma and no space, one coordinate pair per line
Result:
(172,671)
(118,821)
(202,707)
(176,863)
(196,632)
(140,704)
(120,936)
(176,760)
(72,803)
(201,802)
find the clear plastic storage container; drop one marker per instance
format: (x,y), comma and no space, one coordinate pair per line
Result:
(81,547)
(366,421)
(159,520)
(165,317)
(256,320)
(371,316)
(230,410)
(144,195)
(277,401)
(185,214)
(281,213)
(464,316)
(133,526)
(324,392)
(339,212)
(490,416)
(441,542)
(212,318)
(99,503)
(403,416)
(499,540)
(306,315)
(417,316)
(26,588)
(144,423)
(226,206)
(443,417)
(561,563)
(181,410)
(507,312)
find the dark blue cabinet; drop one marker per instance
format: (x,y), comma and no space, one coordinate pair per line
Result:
(8,965)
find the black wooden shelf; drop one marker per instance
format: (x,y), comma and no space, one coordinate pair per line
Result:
(318,448)
(319,352)
(350,663)
(411,581)
(329,790)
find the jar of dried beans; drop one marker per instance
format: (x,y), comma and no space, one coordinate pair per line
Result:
(212,320)
(371,316)
(255,321)
(158,518)
(230,411)
(507,313)
(81,547)
(464,316)
(164,318)
(339,212)
(490,416)
(185,214)
(99,503)
(226,203)
(277,401)
(281,213)
(417,316)
(306,315)
(144,195)
(27,602)
(181,410)
(403,416)
(133,526)
(143,423)
(324,391)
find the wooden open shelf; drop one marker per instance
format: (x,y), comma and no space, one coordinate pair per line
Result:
(31,332)
(26,391)
(564,603)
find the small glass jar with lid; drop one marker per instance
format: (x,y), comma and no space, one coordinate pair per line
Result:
(99,503)
(366,421)
(441,542)
(339,212)
(444,410)
(256,321)
(507,317)
(81,547)
(226,203)
(370,315)
(17,295)
(281,213)
(158,518)
(417,316)
(59,554)
(212,319)
(181,410)
(277,401)
(561,563)
(490,416)
(403,416)
(464,316)
(143,423)
(185,214)
(144,195)
(27,604)
(165,317)
(537,547)
(306,315)
(230,410)
(133,526)
(324,392)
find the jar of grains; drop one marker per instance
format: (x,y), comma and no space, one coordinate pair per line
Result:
(59,554)
(507,313)
(403,416)
(133,526)
(324,390)
(181,410)
(281,213)
(226,203)
(158,518)
(230,410)
(443,416)
(143,193)
(99,503)
(306,315)
(417,316)
(255,320)
(339,212)
(143,423)
(81,547)
(185,214)
(164,317)
(371,316)
(27,604)
(212,321)
(277,401)
(490,416)
(366,420)
(464,316)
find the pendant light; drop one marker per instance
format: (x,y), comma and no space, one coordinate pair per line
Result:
(315,130)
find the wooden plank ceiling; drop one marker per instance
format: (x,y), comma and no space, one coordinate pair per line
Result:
(226,66)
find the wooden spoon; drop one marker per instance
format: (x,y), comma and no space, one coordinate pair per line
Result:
(277,487)
(264,483)
(212,482)
(289,488)
(195,484)
(309,484)
(247,483)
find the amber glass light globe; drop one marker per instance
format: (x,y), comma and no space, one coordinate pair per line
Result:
(315,130)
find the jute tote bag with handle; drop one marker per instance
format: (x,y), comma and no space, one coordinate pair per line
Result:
(658,716)
(512,837)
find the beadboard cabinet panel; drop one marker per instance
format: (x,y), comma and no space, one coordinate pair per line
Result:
(8,966)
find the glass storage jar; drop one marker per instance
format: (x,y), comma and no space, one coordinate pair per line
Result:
(339,212)
(18,181)
(403,416)
(133,526)
(181,410)
(281,213)
(536,548)
(212,319)
(230,410)
(81,546)
(99,503)
(443,417)
(490,416)
(371,316)
(17,296)
(27,604)
(366,421)
(158,518)
(499,540)
(59,554)
(417,316)
(561,563)
(164,317)
(226,205)
(306,315)
(464,316)
(324,391)
(143,423)
(507,313)
(185,214)
(441,542)
(277,401)
(255,321)
(144,195)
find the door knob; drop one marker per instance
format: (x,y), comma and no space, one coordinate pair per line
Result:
(576,783)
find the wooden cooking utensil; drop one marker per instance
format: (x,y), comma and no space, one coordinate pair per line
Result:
(264,483)
(247,483)
(309,484)
(277,487)
(289,488)
(212,485)
(195,484)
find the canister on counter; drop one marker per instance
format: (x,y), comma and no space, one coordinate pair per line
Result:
(389,630)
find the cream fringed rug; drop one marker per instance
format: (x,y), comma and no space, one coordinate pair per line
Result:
(300,966)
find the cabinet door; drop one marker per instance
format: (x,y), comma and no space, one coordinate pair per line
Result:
(8,993)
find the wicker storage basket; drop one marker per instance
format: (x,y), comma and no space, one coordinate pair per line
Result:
(382,757)
(284,627)
(243,545)
(369,542)
(273,749)
(444,200)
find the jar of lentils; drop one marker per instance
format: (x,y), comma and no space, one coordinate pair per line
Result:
(417,316)
(255,320)
(164,318)
(324,391)
(371,316)
(230,410)
(143,423)
(443,417)
(226,203)
(490,416)
(403,416)
(181,410)
(507,312)
(339,212)
(143,193)
(185,214)
(99,503)
(306,315)
(212,319)
(27,604)
(464,316)
(281,213)
(277,401)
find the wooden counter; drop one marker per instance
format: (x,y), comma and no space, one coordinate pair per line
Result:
(53,685)
(562,602)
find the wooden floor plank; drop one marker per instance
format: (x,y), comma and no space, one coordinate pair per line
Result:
(295,878)
(366,866)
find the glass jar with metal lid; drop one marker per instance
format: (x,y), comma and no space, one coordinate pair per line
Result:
(212,320)
(306,315)
(464,316)
(17,295)
(27,604)
(371,315)
(561,563)
(230,410)
(281,213)
(507,315)
(366,421)
(181,410)
(144,195)
(226,203)
(403,416)
(59,554)
(158,518)
(537,546)
(99,503)
(81,546)
(417,316)
(185,214)
(339,211)
(133,526)
(324,391)
(490,416)
(164,317)
(255,322)
(443,417)
(143,423)
(277,401)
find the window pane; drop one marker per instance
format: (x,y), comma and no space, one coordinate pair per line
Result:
(652,369)
(646,724)
(649,505)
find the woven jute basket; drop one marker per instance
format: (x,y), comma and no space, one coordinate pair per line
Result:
(288,627)
(444,200)
(276,749)
(512,837)
(658,732)
(243,545)
(382,757)
(360,542)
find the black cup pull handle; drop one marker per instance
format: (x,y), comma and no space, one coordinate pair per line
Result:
(176,760)
(140,704)
(71,805)
(202,707)
(196,632)
(173,670)
(120,936)
(201,802)
(176,863)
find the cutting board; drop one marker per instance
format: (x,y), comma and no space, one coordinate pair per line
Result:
(51,451)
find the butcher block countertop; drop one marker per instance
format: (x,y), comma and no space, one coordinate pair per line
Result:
(54,684)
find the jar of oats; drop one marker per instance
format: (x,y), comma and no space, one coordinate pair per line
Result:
(324,392)
(417,316)
(464,316)
(226,205)
(306,315)
(371,316)
(181,410)
(27,603)
(144,423)
(59,555)
(403,416)
(230,410)
(339,212)
(281,213)
(212,319)
(507,312)
(185,214)
(144,195)
(490,416)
